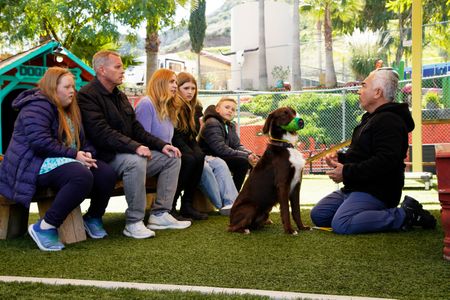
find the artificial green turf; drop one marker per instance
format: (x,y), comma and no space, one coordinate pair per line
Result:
(403,265)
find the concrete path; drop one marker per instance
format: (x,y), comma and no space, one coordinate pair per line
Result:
(182,288)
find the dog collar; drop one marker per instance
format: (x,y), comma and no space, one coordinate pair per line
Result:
(281,143)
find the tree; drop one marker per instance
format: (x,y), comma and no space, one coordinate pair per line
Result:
(262,48)
(436,11)
(296,54)
(69,22)
(155,14)
(341,14)
(197,27)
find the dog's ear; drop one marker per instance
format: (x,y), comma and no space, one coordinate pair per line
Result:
(268,123)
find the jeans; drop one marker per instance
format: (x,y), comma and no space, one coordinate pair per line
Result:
(74,182)
(134,169)
(216,182)
(356,212)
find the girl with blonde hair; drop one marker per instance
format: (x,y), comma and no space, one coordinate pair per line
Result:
(158,114)
(48,149)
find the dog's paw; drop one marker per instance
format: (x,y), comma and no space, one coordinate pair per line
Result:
(305,228)
(246,231)
(295,232)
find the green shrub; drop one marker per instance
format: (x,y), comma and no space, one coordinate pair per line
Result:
(432,100)
(260,105)
(322,114)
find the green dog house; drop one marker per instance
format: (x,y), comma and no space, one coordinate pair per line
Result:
(23,71)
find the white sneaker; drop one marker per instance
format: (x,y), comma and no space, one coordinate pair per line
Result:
(225,211)
(166,221)
(138,231)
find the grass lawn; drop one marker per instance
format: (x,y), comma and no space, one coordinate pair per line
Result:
(405,265)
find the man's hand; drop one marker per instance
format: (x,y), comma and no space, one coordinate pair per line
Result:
(336,173)
(144,151)
(171,151)
(331,158)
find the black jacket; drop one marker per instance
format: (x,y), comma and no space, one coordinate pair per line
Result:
(374,162)
(186,141)
(110,122)
(219,138)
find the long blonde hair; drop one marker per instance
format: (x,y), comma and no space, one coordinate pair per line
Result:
(186,117)
(48,85)
(167,105)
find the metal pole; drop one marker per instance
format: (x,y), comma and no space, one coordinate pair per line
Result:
(417,85)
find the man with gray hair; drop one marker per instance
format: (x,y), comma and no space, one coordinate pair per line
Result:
(110,124)
(372,169)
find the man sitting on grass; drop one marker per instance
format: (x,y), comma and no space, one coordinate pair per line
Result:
(372,169)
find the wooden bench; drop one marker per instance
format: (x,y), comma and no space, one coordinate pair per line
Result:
(14,216)
(424,177)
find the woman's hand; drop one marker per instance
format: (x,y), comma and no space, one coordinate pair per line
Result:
(86,159)
(171,151)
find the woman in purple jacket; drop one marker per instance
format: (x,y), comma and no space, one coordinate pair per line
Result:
(48,149)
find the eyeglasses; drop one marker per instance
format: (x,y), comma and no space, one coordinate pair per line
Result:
(389,69)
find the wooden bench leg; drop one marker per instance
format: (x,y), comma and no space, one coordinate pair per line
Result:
(202,203)
(151,197)
(13,220)
(72,229)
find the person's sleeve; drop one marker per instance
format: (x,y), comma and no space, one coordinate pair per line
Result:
(142,126)
(144,112)
(214,137)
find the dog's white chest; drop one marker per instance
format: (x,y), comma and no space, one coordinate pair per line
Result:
(298,162)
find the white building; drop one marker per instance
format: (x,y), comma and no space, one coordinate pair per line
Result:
(244,36)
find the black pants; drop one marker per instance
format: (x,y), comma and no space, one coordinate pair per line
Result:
(190,174)
(74,182)
(238,167)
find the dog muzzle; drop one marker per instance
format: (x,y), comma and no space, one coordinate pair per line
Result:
(295,124)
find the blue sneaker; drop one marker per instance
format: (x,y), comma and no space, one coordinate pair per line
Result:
(46,239)
(94,227)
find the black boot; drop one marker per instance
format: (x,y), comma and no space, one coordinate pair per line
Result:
(416,215)
(188,211)
(178,216)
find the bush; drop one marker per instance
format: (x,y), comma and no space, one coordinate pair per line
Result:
(432,100)
(322,114)
(260,105)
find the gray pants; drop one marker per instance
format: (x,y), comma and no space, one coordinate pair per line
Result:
(134,169)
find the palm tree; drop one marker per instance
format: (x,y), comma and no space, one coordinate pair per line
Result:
(330,73)
(296,54)
(342,12)
(262,48)
(155,14)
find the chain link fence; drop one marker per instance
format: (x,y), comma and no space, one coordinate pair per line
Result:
(330,116)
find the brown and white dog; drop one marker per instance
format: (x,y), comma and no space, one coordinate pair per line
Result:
(275,179)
